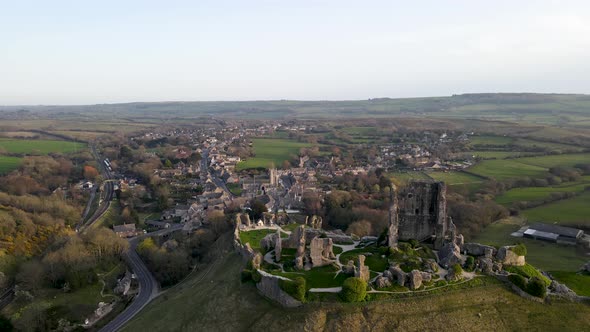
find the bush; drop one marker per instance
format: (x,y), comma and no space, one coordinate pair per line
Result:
(469,263)
(518,280)
(536,287)
(519,249)
(353,290)
(528,271)
(296,288)
(457,270)
(256,276)
(440,283)
(246,275)
(414,243)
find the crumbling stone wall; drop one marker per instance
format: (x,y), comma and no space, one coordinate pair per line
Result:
(269,287)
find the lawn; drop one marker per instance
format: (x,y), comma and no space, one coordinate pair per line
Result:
(529,194)
(254,237)
(8,164)
(502,169)
(373,258)
(271,152)
(38,147)
(543,255)
(574,211)
(318,277)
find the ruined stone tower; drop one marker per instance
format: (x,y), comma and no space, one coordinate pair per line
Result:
(421,213)
(393,218)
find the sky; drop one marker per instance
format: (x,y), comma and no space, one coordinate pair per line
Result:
(87,52)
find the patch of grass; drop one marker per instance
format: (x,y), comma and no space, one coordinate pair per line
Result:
(39,147)
(290,227)
(271,151)
(578,282)
(9,164)
(405,177)
(574,211)
(235,188)
(373,258)
(254,237)
(319,277)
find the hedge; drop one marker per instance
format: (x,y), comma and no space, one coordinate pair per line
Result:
(296,288)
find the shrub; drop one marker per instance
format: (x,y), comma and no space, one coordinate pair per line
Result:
(353,290)
(246,275)
(295,288)
(440,283)
(536,287)
(469,263)
(457,270)
(518,280)
(414,243)
(256,276)
(520,249)
(528,271)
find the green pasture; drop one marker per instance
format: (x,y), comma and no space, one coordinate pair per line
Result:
(38,147)
(529,194)
(456,178)
(557,160)
(8,164)
(573,211)
(491,140)
(502,169)
(271,152)
(578,282)
(254,237)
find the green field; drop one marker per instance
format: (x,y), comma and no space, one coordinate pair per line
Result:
(38,147)
(573,211)
(546,145)
(543,255)
(502,169)
(404,177)
(8,164)
(271,152)
(456,178)
(499,154)
(557,160)
(491,140)
(529,194)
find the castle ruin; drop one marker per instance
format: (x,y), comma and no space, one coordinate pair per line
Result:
(419,212)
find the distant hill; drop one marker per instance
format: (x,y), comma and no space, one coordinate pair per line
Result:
(526,107)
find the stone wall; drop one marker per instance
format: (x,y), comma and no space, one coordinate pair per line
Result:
(269,287)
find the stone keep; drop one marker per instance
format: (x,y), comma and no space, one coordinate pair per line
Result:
(321,251)
(419,212)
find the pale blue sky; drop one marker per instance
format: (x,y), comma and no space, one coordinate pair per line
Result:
(71,52)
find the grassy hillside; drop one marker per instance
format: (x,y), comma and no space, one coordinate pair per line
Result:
(214,299)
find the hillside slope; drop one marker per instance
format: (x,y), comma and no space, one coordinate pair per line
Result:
(214,299)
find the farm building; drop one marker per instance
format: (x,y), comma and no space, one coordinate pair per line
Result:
(553,233)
